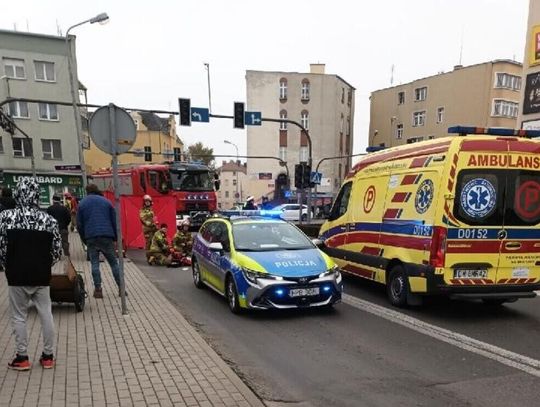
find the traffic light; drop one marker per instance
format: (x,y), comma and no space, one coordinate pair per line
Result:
(298,176)
(238,115)
(306,176)
(185,111)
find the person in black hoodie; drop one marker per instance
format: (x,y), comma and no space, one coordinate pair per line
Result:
(62,215)
(29,276)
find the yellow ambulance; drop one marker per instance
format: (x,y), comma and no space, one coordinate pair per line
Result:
(457,216)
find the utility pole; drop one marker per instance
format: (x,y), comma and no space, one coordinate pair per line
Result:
(207,65)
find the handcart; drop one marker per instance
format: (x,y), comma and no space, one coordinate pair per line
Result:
(67,285)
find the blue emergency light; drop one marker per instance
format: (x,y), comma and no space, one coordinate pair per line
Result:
(493,131)
(261,213)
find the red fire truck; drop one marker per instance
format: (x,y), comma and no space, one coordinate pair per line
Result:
(192,185)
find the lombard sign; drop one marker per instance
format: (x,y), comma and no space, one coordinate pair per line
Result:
(41,179)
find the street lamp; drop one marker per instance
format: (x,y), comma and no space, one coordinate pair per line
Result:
(101,18)
(235,146)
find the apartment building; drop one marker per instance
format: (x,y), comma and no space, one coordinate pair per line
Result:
(323,104)
(156,142)
(483,95)
(35,66)
(232,175)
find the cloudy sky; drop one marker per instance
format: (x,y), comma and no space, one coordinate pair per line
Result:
(152,52)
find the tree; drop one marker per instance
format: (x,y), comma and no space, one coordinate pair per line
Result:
(199,152)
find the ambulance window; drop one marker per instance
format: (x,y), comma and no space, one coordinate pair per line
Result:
(341,203)
(522,198)
(479,197)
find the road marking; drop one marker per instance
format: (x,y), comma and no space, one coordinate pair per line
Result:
(506,357)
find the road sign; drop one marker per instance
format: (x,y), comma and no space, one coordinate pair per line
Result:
(200,114)
(316,177)
(112,130)
(253,118)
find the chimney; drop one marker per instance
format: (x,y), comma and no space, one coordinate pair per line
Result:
(317,68)
(457,67)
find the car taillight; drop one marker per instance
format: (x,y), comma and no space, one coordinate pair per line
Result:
(438,247)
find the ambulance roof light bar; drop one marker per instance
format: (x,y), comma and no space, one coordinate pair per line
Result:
(493,131)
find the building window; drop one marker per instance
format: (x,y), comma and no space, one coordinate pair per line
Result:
(304,119)
(399,131)
(14,68)
(44,71)
(226,194)
(341,123)
(283,115)
(419,118)
(507,81)
(401,98)
(226,182)
(303,154)
(1,146)
(342,95)
(177,153)
(348,126)
(440,114)
(283,153)
(305,90)
(349,97)
(420,94)
(505,108)
(147,153)
(431,137)
(283,88)
(18,110)
(234,182)
(52,149)
(22,147)
(414,140)
(47,111)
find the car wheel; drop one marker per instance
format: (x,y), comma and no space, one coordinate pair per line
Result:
(197,280)
(397,287)
(232,295)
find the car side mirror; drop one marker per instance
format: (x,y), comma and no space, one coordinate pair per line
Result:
(216,246)
(318,242)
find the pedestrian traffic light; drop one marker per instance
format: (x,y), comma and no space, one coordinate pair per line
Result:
(306,176)
(298,176)
(238,115)
(185,111)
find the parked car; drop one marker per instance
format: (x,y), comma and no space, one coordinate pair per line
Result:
(292,211)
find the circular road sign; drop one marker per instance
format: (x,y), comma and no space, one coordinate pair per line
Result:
(104,136)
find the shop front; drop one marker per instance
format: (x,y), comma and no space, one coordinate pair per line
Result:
(50,184)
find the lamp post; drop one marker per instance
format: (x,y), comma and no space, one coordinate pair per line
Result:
(235,146)
(101,18)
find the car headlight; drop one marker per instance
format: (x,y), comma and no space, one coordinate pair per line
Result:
(334,271)
(252,275)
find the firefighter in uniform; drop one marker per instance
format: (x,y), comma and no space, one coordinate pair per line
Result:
(183,240)
(160,251)
(146,215)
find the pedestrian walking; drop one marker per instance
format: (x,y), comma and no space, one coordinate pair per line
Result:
(96,223)
(63,217)
(71,204)
(147,217)
(28,272)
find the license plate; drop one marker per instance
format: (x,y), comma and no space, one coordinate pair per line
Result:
(303,292)
(470,273)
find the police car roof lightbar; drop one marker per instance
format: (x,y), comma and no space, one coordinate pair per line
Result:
(493,131)
(261,213)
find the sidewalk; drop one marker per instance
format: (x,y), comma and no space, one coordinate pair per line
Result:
(152,357)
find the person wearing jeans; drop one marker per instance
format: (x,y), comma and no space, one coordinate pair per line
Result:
(96,223)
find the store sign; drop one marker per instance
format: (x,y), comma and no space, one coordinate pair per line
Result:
(265,175)
(534,55)
(531,125)
(41,179)
(531,100)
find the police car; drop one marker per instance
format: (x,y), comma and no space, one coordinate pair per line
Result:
(263,262)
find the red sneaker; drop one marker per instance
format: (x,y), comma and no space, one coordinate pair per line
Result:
(46,361)
(20,363)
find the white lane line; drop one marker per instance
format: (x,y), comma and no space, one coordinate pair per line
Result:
(506,357)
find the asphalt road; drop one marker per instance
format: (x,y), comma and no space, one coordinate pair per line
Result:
(351,357)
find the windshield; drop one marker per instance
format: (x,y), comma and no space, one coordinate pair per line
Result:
(191,181)
(266,236)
